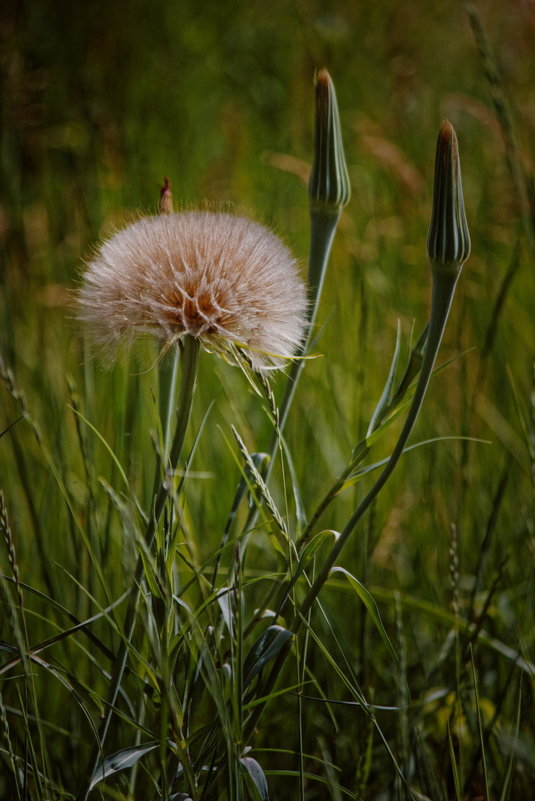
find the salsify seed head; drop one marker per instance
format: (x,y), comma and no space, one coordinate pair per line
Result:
(224,279)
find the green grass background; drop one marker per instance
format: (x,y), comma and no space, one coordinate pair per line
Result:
(99,102)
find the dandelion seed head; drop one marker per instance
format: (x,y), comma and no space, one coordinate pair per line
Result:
(225,279)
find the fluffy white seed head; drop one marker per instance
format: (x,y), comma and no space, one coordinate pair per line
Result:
(225,279)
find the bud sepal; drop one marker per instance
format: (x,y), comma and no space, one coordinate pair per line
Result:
(329,187)
(448,239)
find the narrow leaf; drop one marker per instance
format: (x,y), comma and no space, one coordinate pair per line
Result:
(257,776)
(384,400)
(103,441)
(314,545)
(121,760)
(368,601)
(454,767)
(265,648)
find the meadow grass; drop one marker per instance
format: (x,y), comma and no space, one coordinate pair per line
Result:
(412,674)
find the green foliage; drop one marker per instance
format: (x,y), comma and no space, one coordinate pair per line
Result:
(98,103)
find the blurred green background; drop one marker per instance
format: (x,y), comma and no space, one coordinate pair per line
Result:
(100,101)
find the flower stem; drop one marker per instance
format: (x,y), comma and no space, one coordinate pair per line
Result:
(443,289)
(168,391)
(328,192)
(444,282)
(189,359)
(323,223)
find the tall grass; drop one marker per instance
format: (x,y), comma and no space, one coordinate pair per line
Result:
(412,675)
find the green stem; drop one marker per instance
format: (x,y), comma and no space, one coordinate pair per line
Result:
(323,225)
(444,282)
(168,396)
(362,449)
(189,359)
(167,405)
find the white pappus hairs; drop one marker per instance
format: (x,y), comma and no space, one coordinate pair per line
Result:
(225,279)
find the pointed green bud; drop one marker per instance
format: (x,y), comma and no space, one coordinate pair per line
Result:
(328,187)
(448,240)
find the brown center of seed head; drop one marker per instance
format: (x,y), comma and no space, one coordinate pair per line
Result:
(195,314)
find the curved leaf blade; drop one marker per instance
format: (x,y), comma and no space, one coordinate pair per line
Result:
(121,760)
(369,602)
(257,777)
(265,648)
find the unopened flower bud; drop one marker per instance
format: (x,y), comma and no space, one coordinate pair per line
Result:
(328,186)
(448,240)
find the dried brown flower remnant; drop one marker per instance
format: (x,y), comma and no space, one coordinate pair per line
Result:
(225,279)
(165,205)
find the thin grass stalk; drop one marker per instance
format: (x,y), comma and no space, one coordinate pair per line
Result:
(492,724)
(480,725)
(323,224)
(505,118)
(11,758)
(189,360)
(484,549)
(15,614)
